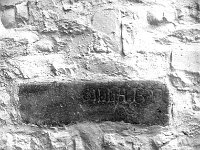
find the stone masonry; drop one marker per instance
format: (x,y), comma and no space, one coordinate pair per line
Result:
(150,47)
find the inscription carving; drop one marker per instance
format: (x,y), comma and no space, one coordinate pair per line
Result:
(119,96)
(141,102)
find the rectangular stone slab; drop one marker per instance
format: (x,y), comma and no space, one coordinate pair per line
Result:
(136,102)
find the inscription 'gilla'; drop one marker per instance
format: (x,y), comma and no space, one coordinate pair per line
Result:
(118,96)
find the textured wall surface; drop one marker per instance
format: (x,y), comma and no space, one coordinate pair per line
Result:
(45,41)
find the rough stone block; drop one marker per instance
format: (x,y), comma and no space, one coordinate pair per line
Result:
(118,142)
(186,60)
(44,45)
(36,17)
(9,47)
(106,21)
(38,65)
(187,35)
(158,15)
(22,11)
(185,80)
(10,2)
(8,18)
(128,38)
(136,102)
(72,27)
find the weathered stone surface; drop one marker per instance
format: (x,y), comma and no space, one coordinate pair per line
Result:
(44,45)
(185,80)
(36,16)
(8,18)
(10,2)
(32,68)
(128,37)
(160,140)
(131,101)
(72,27)
(149,65)
(50,25)
(158,15)
(186,60)
(25,140)
(107,21)
(99,40)
(22,13)
(117,142)
(79,45)
(102,66)
(101,44)
(187,35)
(4,101)
(41,65)
(10,48)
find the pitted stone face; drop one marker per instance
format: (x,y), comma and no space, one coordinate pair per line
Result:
(136,102)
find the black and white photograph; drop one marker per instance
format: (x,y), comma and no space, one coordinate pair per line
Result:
(99,74)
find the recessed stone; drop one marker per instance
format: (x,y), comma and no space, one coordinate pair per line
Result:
(136,102)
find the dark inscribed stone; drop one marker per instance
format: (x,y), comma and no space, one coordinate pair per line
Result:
(136,102)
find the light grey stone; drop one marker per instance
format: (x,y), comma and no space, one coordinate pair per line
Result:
(8,18)
(22,11)
(188,60)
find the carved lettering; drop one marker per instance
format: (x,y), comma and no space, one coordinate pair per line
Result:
(94,96)
(131,95)
(119,96)
(115,101)
(158,93)
(108,96)
(122,97)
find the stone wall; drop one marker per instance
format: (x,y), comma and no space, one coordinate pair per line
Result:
(60,41)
